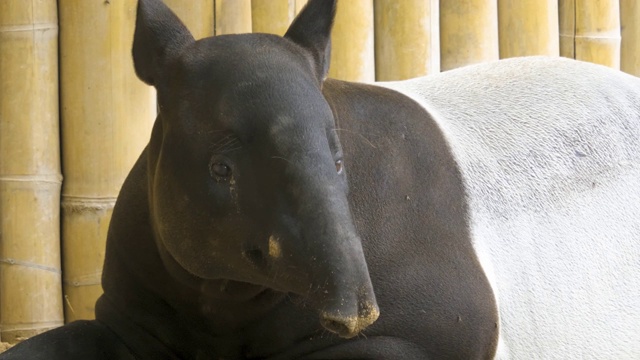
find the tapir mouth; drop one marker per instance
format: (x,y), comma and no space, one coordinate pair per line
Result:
(344,318)
(233,290)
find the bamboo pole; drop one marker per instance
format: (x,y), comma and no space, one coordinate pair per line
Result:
(4,346)
(352,42)
(630,48)
(272,16)
(106,119)
(567,20)
(528,27)
(597,30)
(233,16)
(197,15)
(30,280)
(468,32)
(407,38)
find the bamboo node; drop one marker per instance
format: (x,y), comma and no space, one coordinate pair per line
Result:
(78,204)
(84,280)
(29,326)
(598,37)
(44,178)
(28,27)
(30,265)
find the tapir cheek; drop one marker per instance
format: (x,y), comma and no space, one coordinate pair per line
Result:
(209,257)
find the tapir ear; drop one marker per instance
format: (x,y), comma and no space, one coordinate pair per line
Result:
(159,36)
(311,29)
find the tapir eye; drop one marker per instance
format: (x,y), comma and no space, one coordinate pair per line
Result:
(339,166)
(220,171)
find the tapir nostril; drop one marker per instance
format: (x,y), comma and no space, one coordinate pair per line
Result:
(345,327)
(255,256)
(348,319)
(337,327)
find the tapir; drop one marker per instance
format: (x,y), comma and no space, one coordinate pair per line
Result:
(487,212)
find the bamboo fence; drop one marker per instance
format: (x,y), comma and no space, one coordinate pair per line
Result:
(630,47)
(272,16)
(468,32)
(407,38)
(106,118)
(352,46)
(567,27)
(197,15)
(30,280)
(106,112)
(590,31)
(235,16)
(528,27)
(232,17)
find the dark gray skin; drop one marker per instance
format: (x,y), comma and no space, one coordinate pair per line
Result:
(235,236)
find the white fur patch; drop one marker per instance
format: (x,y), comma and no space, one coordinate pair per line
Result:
(549,149)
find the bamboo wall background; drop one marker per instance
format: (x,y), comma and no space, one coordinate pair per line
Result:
(94,116)
(106,115)
(30,284)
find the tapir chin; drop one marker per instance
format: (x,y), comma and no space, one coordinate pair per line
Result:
(490,211)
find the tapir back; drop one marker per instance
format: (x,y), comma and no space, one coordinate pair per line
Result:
(549,150)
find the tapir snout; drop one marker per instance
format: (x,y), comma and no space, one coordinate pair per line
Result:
(328,256)
(347,313)
(344,293)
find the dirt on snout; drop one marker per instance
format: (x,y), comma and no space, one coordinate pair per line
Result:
(4,346)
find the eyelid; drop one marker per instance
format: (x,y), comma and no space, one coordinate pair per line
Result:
(227,144)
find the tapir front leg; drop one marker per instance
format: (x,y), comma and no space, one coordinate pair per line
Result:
(364,348)
(87,340)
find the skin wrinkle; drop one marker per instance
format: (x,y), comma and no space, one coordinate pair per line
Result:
(358,134)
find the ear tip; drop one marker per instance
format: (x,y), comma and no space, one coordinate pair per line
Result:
(149,2)
(159,36)
(328,5)
(333,10)
(311,29)
(320,12)
(145,4)
(152,8)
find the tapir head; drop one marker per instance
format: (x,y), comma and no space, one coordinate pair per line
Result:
(246,178)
